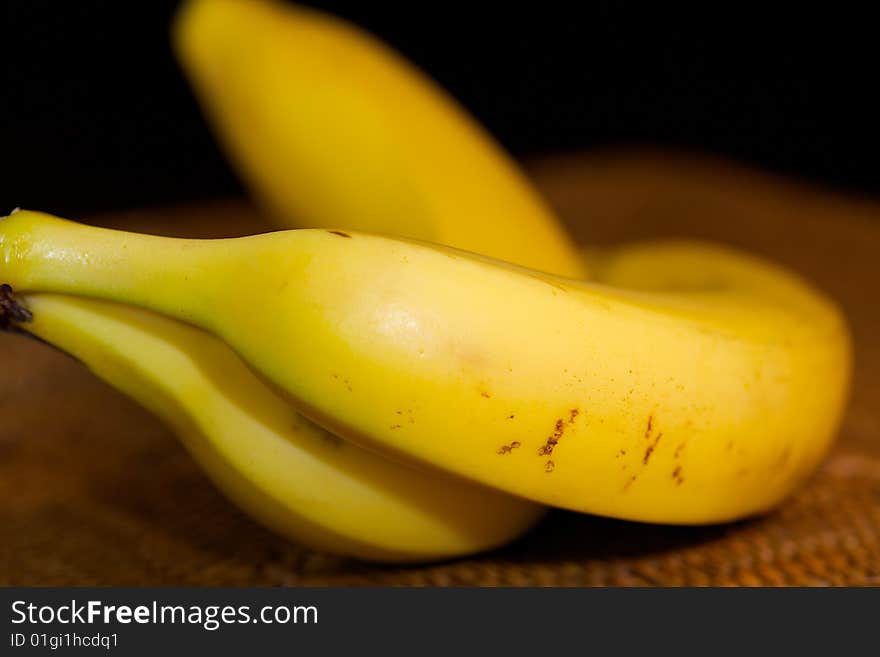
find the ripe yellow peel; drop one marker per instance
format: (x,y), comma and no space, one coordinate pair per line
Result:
(703,390)
(282,469)
(329,127)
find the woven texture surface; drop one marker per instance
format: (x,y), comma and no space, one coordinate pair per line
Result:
(94,490)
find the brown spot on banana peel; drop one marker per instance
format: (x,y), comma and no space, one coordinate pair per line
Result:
(651,449)
(676,475)
(650,425)
(506,449)
(340,233)
(345,382)
(547,448)
(784,457)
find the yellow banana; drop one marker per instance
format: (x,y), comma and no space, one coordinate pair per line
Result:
(691,384)
(328,125)
(285,471)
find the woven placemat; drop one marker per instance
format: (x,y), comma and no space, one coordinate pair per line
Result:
(94,490)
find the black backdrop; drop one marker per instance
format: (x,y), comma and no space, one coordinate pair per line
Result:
(97,116)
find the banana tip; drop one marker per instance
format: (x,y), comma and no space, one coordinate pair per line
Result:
(12,311)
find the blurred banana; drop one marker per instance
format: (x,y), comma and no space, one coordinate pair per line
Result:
(330,128)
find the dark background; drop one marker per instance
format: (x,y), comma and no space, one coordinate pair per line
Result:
(98,117)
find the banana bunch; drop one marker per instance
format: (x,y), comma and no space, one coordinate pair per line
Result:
(424,381)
